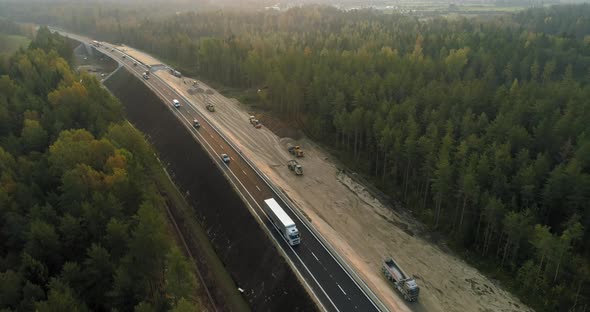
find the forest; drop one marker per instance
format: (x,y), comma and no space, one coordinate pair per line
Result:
(478,126)
(81,222)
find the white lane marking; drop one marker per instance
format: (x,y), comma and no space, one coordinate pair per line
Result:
(315,256)
(258,188)
(221,146)
(342,290)
(244,172)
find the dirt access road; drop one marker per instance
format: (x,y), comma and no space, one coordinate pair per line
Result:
(359,226)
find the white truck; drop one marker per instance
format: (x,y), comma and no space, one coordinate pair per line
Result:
(405,284)
(282,221)
(294,166)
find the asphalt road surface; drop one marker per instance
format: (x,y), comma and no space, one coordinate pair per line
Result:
(335,289)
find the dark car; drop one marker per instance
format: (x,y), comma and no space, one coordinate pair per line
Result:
(196,124)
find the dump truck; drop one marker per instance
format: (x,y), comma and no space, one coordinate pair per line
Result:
(255,122)
(282,221)
(294,166)
(210,106)
(405,284)
(295,150)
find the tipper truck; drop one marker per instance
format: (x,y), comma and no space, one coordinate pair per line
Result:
(403,283)
(255,122)
(294,166)
(295,150)
(282,221)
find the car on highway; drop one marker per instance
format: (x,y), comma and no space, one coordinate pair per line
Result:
(124,56)
(196,124)
(146,77)
(176,103)
(225,158)
(134,63)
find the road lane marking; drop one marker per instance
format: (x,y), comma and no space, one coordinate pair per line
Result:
(315,256)
(258,188)
(341,289)
(244,172)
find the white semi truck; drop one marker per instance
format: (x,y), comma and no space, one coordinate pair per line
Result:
(282,221)
(403,282)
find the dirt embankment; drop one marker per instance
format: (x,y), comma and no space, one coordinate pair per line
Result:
(243,247)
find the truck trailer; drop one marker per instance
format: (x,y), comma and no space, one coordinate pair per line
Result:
(403,283)
(282,221)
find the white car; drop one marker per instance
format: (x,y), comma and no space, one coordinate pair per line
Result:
(176,103)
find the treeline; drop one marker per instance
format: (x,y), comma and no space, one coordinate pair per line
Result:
(10,27)
(563,20)
(81,224)
(479,126)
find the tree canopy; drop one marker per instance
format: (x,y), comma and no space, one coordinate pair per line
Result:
(480,125)
(81,225)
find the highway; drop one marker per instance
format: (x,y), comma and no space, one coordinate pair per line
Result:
(333,285)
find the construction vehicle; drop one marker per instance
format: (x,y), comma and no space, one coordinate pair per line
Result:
(295,150)
(282,221)
(401,281)
(255,122)
(210,107)
(294,166)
